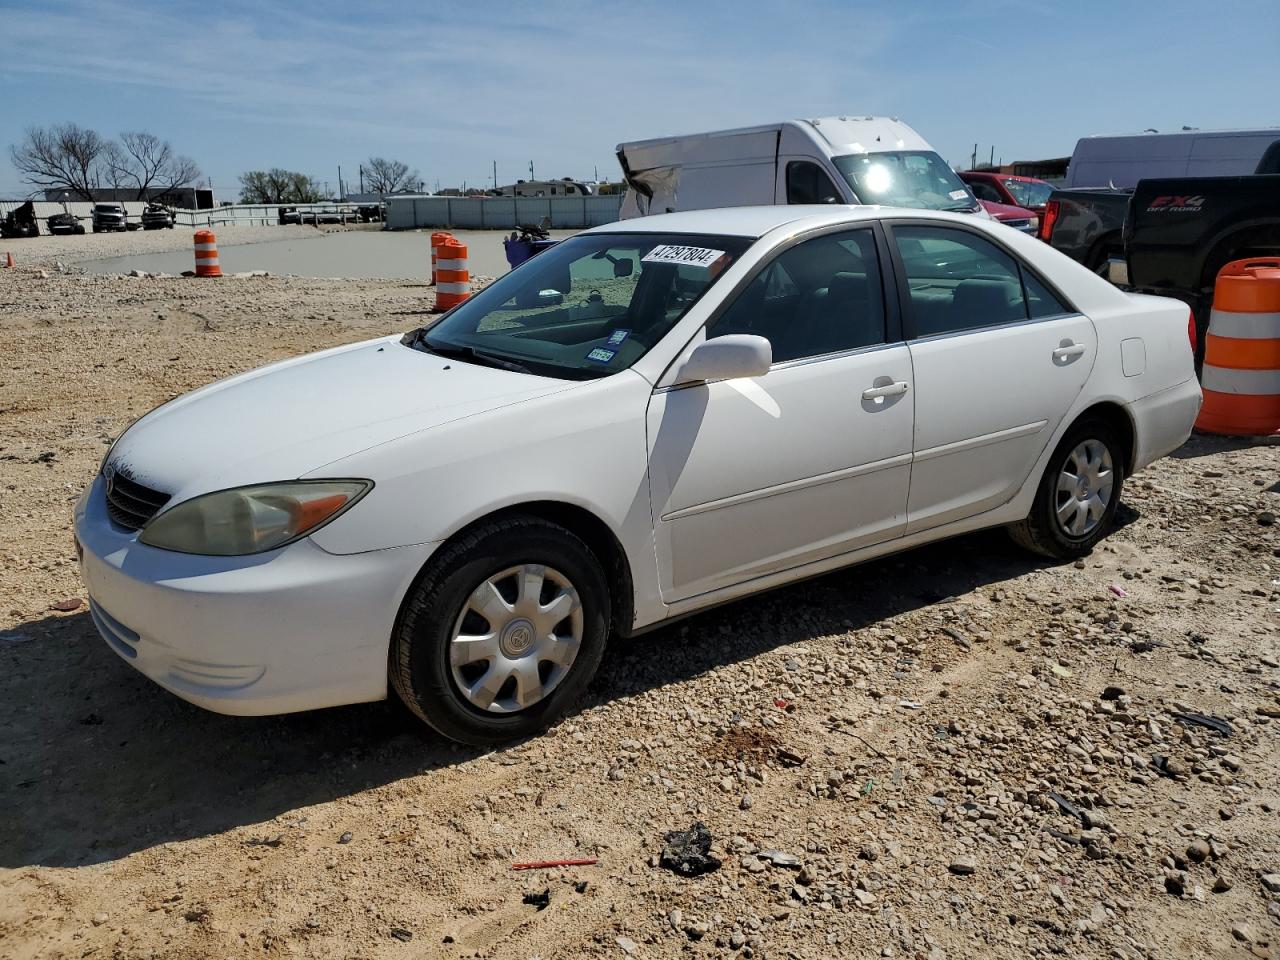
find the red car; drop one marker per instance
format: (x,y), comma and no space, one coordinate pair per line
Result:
(1020,218)
(1006,188)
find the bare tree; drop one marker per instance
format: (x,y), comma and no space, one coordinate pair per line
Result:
(278,186)
(149,166)
(65,156)
(388,176)
(76,159)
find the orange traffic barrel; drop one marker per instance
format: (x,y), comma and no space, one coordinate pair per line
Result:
(207,254)
(1241,378)
(453,282)
(437,238)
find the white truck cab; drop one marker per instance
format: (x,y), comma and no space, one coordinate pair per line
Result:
(856,160)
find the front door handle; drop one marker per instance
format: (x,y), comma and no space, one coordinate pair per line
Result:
(895,389)
(1068,351)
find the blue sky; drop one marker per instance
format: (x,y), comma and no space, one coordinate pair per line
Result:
(449,88)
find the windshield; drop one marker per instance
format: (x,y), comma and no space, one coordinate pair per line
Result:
(1029,193)
(106,208)
(907,178)
(588,307)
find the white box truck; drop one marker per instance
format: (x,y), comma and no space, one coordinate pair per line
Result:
(826,160)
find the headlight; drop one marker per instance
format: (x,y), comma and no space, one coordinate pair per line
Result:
(232,523)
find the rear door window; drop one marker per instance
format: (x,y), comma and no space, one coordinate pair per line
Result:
(957,280)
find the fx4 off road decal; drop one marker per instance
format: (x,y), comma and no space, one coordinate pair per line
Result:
(1176,204)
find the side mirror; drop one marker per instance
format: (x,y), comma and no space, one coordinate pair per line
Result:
(727,358)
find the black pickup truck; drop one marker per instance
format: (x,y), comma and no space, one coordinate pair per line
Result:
(1086,224)
(1180,232)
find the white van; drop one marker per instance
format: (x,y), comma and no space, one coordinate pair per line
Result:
(827,160)
(1123,161)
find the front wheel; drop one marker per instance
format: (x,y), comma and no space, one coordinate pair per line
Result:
(1076,501)
(502,632)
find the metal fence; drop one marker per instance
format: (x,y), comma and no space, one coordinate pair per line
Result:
(502,213)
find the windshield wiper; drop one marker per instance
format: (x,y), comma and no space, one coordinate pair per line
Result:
(472,355)
(961,208)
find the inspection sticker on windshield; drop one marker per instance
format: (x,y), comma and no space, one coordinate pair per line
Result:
(617,337)
(685,256)
(601,355)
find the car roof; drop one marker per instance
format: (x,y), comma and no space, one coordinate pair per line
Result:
(753,221)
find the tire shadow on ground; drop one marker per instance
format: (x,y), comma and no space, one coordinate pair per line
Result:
(97,762)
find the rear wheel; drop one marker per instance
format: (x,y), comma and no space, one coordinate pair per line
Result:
(502,632)
(1076,501)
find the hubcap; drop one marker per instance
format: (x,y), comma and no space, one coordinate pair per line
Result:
(516,638)
(1084,488)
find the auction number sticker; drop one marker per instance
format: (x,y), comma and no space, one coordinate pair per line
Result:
(601,355)
(958,194)
(683,256)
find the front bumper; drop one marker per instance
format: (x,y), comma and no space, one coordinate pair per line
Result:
(1164,421)
(293,629)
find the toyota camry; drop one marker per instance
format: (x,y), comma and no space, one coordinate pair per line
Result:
(646,420)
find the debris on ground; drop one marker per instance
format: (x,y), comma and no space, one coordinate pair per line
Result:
(540,898)
(1216,724)
(547,864)
(688,852)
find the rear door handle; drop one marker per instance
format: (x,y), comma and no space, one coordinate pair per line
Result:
(895,389)
(1068,351)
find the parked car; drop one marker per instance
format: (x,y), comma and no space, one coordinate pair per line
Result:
(65,223)
(157,217)
(869,160)
(20,223)
(288,215)
(1124,160)
(1027,192)
(646,420)
(1086,224)
(1020,218)
(109,216)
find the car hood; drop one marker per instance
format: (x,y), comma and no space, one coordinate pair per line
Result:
(1006,211)
(291,418)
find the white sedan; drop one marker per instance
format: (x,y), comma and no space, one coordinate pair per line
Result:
(648,419)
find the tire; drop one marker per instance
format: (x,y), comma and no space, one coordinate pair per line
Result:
(443,603)
(1044,531)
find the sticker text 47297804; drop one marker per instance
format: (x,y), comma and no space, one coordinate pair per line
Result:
(683,256)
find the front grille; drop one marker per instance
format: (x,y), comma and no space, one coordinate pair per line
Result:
(129,503)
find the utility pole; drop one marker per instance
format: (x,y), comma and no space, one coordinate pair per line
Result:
(531,176)
(341,193)
(973,163)
(362,178)
(992,162)
(495,175)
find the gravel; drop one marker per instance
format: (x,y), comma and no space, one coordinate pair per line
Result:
(1013,810)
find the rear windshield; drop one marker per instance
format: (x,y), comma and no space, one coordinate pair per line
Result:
(588,307)
(1029,193)
(906,178)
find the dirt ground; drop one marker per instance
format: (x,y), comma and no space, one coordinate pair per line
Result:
(961,751)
